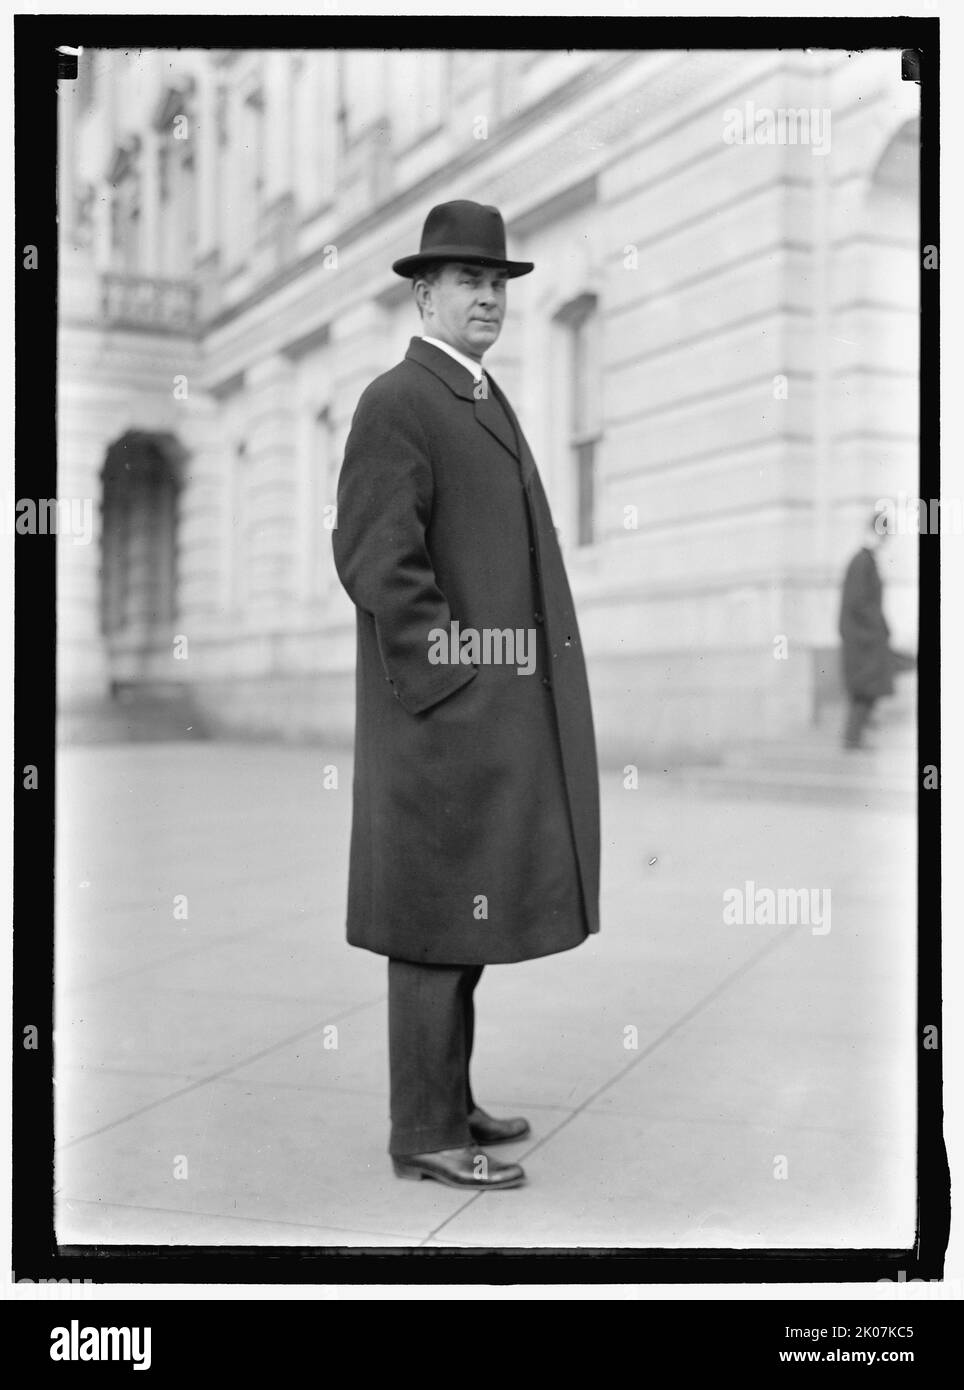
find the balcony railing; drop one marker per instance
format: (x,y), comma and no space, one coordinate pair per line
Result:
(146,303)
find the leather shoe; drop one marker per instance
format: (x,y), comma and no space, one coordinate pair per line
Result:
(467,1168)
(485,1129)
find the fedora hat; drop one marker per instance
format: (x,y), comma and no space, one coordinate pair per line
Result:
(463,231)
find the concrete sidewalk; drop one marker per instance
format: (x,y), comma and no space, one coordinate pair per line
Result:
(222,1076)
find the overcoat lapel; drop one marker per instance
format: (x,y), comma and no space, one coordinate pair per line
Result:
(523,453)
(496,421)
(457,379)
(446,368)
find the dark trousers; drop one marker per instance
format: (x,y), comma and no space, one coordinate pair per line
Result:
(431,1024)
(857,717)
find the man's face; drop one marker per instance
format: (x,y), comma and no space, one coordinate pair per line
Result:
(464,307)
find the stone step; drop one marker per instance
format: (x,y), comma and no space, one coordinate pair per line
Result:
(813,766)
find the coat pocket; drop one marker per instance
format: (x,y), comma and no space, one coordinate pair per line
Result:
(456,703)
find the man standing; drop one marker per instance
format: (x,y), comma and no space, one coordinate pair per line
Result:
(475,825)
(868,663)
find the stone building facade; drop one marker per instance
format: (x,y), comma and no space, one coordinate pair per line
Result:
(716,360)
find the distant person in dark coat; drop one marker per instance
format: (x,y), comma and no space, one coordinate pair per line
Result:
(868,662)
(475,826)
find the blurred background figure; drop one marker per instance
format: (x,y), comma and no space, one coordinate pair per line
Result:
(868,662)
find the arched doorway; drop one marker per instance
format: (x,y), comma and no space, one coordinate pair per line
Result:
(141,480)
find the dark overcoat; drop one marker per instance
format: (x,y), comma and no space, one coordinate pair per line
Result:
(868,663)
(475,807)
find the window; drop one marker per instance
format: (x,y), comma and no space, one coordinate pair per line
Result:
(316,129)
(252,156)
(86,80)
(322,487)
(178,209)
(177,212)
(579,321)
(163,175)
(132,242)
(361,92)
(84,200)
(240,531)
(221,115)
(125,211)
(126,229)
(416,88)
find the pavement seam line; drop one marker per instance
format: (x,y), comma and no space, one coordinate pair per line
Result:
(219,1216)
(224,1071)
(171,959)
(647,1051)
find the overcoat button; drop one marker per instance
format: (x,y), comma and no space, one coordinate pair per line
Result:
(538,617)
(547,682)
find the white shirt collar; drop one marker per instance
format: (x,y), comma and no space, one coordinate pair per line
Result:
(468,362)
